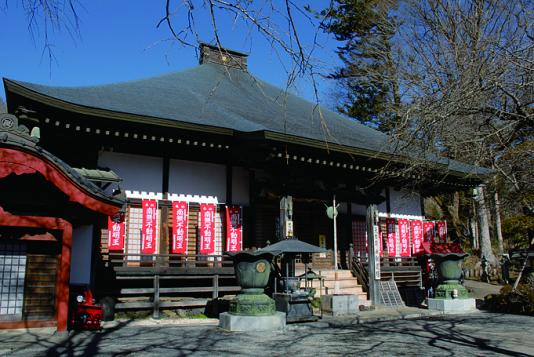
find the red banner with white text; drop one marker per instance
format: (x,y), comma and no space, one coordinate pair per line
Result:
(392,237)
(180,212)
(116,233)
(442,231)
(150,226)
(404,235)
(417,237)
(428,231)
(207,228)
(234,228)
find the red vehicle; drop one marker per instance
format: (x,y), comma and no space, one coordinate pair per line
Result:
(86,315)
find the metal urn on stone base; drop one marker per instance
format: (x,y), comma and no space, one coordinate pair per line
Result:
(252,309)
(450,296)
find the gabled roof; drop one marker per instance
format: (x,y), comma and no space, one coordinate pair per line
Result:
(20,154)
(216,97)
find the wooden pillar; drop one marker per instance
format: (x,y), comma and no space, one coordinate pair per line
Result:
(155,311)
(373,264)
(165,175)
(349,228)
(164,230)
(388,200)
(252,234)
(63,277)
(229,180)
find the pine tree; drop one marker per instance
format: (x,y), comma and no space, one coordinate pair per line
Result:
(368,77)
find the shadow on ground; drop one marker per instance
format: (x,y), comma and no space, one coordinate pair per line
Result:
(481,335)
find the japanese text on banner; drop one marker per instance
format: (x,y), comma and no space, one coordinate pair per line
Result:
(404,235)
(207,228)
(180,213)
(392,236)
(116,234)
(234,229)
(442,231)
(428,229)
(150,226)
(417,236)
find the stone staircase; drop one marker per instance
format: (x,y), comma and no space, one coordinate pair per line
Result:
(346,283)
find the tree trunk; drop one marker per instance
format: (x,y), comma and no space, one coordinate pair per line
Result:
(474,227)
(485,239)
(498,224)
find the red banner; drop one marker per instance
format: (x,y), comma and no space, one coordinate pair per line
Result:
(428,229)
(404,235)
(150,226)
(392,237)
(180,212)
(417,236)
(115,234)
(234,229)
(207,228)
(442,231)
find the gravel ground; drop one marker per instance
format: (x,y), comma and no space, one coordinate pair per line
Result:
(480,334)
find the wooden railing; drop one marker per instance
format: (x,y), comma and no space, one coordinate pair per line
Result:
(151,298)
(171,263)
(155,281)
(406,271)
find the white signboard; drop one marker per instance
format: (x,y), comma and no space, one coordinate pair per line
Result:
(377,243)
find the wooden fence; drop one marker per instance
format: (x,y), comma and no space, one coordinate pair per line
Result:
(156,281)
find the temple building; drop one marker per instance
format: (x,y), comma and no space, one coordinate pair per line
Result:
(207,160)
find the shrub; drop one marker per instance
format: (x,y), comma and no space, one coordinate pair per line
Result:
(519,301)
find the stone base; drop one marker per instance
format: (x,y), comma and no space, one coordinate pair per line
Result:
(448,289)
(339,304)
(452,306)
(247,304)
(231,322)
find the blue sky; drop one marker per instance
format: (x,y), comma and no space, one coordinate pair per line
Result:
(119,41)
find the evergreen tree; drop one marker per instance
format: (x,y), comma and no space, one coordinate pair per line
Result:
(368,77)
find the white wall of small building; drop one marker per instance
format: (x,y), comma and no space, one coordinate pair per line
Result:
(197,178)
(145,173)
(403,202)
(82,248)
(138,172)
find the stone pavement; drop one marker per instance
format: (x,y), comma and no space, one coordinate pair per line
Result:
(479,334)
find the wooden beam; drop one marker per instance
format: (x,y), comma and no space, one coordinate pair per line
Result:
(388,200)
(229,180)
(165,175)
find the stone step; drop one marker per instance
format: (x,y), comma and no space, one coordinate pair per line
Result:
(348,287)
(330,274)
(342,283)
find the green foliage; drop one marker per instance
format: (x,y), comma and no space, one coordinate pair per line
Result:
(520,301)
(368,78)
(515,231)
(197,316)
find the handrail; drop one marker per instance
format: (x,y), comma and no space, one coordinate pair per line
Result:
(169,260)
(361,273)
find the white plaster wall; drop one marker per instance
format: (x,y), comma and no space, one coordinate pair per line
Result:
(82,249)
(240,186)
(405,202)
(197,178)
(138,172)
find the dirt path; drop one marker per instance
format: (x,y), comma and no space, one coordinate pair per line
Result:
(478,289)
